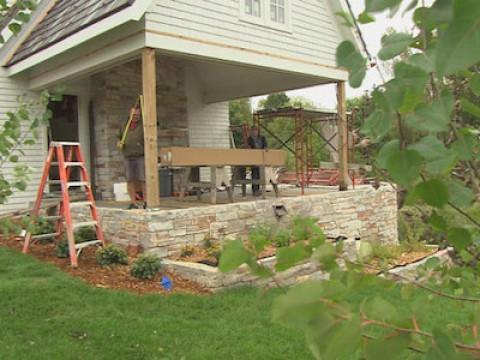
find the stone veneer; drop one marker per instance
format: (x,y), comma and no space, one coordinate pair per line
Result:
(114,92)
(364,213)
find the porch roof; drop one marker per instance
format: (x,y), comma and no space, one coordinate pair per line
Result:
(63,19)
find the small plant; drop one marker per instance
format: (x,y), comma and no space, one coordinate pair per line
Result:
(187,251)
(111,254)
(86,233)
(282,238)
(215,251)
(62,250)
(146,267)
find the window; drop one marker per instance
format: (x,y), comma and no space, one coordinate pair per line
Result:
(269,13)
(277,11)
(253,8)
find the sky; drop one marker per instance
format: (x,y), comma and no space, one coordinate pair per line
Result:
(325,96)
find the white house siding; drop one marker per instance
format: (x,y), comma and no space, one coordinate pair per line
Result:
(314,34)
(208,124)
(34,155)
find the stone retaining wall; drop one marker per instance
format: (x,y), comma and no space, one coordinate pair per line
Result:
(364,213)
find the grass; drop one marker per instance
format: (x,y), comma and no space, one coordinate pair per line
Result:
(45,314)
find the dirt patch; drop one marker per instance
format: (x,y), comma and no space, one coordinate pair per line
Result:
(405,258)
(115,277)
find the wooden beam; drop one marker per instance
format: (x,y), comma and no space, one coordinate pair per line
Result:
(342,125)
(149,75)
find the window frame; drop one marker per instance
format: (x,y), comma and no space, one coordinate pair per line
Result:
(265,18)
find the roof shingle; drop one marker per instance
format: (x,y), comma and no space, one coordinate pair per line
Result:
(66,18)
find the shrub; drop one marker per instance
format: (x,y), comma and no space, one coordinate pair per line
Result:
(86,233)
(146,267)
(282,238)
(215,250)
(111,254)
(63,250)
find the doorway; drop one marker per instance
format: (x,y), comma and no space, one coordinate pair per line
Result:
(63,127)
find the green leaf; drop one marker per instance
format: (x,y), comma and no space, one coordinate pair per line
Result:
(386,151)
(475,84)
(288,257)
(459,46)
(433,117)
(377,125)
(349,58)
(404,167)
(460,195)
(422,61)
(14,158)
(342,339)
(470,107)
(381,310)
(366,251)
(459,238)
(380,5)
(434,192)
(443,347)
(347,18)
(409,86)
(438,222)
(440,160)
(326,255)
(15,28)
(465,144)
(233,256)
(365,18)
(394,45)
(393,345)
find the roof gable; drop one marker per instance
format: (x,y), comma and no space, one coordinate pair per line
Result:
(66,17)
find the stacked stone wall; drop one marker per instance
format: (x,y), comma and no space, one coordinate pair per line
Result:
(364,213)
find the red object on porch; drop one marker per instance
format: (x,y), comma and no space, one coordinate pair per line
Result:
(68,156)
(320,177)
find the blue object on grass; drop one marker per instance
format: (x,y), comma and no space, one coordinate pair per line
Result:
(167,283)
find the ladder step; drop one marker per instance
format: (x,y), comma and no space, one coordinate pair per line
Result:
(44,236)
(84,224)
(81,204)
(69,164)
(64,143)
(78,183)
(52,218)
(87,243)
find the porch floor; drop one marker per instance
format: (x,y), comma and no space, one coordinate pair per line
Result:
(173,203)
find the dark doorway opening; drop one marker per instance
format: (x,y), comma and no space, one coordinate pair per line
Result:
(63,127)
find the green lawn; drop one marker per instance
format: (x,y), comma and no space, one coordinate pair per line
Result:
(45,314)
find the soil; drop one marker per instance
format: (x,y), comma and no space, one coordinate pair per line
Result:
(116,277)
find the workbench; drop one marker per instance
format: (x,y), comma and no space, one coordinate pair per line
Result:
(218,161)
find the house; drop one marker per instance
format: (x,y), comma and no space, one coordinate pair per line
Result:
(187,57)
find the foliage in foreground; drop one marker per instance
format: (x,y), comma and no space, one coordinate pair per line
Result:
(419,117)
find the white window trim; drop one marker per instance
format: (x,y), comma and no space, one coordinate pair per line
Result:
(265,19)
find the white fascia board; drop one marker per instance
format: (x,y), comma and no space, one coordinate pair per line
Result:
(216,51)
(117,52)
(132,13)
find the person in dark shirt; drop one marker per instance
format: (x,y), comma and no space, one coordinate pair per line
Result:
(256,141)
(133,150)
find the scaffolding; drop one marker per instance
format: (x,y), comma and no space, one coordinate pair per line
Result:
(305,130)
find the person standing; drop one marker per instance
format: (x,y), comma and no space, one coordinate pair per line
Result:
(133,150)
(256,141)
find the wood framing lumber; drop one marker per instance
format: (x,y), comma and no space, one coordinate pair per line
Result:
(342,136)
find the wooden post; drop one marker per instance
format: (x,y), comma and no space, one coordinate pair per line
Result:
(342,125)
(149,75)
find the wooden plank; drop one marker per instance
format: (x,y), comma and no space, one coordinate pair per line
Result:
(149,75)
(342,136)
(178,156)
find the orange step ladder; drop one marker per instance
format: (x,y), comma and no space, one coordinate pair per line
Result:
(67,156)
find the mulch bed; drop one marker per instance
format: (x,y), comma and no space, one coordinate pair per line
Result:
(116,277)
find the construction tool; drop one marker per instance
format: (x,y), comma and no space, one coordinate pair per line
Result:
(67,156)
(121,143)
